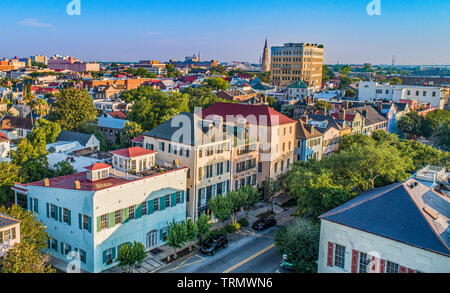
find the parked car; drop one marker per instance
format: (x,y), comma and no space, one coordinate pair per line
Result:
(213,244)
(263,224)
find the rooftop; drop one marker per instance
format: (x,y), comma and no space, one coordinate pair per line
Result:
(6,220)
(133,152)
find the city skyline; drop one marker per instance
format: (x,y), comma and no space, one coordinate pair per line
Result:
(128,32)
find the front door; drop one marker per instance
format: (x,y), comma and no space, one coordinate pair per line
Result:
(152,239)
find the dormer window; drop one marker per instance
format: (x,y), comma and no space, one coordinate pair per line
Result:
(98,171)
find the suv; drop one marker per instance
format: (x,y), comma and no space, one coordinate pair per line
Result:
(213,244)
(263,224)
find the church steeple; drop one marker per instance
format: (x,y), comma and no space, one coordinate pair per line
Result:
(265,59)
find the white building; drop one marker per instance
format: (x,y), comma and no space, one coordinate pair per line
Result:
(400,228)
(90,214)
(370,91)
(4,148)
(9,233)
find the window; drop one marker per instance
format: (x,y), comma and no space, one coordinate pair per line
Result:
(167,199)
(178,197)
(65,248)
(66,216)
(161,146)
(82,255)
(259,167)
(364,261)
(131,212)
(219,169)
(103,221)
(108,256)
(339,256)
(276,167)
(54,244)
(391,267)
(85,222)
(156,204)
(118,217)
(434,94)
(144,208)
(53,212)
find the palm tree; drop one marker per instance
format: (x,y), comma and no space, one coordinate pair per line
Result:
(41,107)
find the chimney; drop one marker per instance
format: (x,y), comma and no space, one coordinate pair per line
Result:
(46,182)
(175,163)
(77,184)
(342,114)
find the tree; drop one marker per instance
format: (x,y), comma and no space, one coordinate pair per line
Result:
(411,124)
(31,156)
(216,83)
(350,93)
(45,130)
(287,110)
(32,231)
(130,131)
(396,80)
(91,128)
(202,97)
(142,72)
(203,227)
(130,255)
(300,242)
(176,236)
(41,107)
(63,168)
(323,105)
(437,118)
(249,197)
(73,107)
(9,174)
(444,136)
(191,232)
(23,257)
(221,207)
(345,70)
(421,155)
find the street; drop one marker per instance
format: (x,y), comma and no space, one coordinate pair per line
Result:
(249,253)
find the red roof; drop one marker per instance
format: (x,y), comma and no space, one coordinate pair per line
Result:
(140,138)
(133,152)
(254,114)
(118,114)
(97,166)
(2,136)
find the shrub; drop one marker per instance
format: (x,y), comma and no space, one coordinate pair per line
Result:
(243,222)
(230,228)
(237,226)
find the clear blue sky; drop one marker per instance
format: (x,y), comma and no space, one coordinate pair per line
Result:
(416,31)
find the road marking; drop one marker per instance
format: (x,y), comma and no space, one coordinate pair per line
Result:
(249,259)
(184,264)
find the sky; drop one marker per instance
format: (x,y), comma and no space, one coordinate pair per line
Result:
(415,31)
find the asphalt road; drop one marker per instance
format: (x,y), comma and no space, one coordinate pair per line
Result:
(250,253)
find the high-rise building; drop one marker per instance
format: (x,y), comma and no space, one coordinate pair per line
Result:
(265,59)
(297,61)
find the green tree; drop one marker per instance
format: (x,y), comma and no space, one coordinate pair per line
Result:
(216,83)
(130,255)
(32,231)
(249,197)
(323,105)
(191,232)
(73,107)
(91,128)
(176,236)
(32,158)
(202,97)
(438,117)
(25,258)
(421,155)
(45,130)
(130,131)
(63,168)
(395,81)
(9,174)
(300,242)
(345,70)
(203,227)
(142,72)
(221,207)
(444,136)
(411,124)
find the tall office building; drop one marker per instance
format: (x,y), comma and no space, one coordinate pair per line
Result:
(297,61)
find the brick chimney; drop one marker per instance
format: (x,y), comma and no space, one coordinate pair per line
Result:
(342,114)
(304,118)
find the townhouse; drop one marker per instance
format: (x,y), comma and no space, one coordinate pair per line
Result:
(373,120)
(198,144)
(88,215)
(275,133)
(9,233)
(15,128)
(309,141)
(400,228)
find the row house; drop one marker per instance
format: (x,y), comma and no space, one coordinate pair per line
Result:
(405,230)
(275,132)
(9,233)
(15,128)
(308,141)
(88,215)
(187,140)
(111,128)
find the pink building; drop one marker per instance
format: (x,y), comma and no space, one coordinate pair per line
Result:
(72,64)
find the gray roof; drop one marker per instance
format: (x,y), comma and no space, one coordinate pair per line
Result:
(111,122)
(82,138)
(372,116)
(6,220)
(185,128)
(397,212)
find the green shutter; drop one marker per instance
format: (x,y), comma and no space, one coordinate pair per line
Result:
(62,247)
(104,256)
(161,234)
(173,200)
(36,201)
(60,214)
(99,224)
(48,243)
(48,210)
(80,221)
(162,203)
(56,245)
(114,253)
(69,216)
(182,196)
(151,207)
(90,224)
(125,215)
(138,213)
(30,204)
(112,220)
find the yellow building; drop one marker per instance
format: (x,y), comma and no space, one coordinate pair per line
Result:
(297,61)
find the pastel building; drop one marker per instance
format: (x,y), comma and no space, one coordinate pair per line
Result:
(90,214)
(4,148)
(9,233)
(400,228)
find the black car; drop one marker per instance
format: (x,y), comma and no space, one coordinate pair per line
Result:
(213,244)
(263,224)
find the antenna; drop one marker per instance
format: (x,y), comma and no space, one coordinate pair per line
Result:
(393,60)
